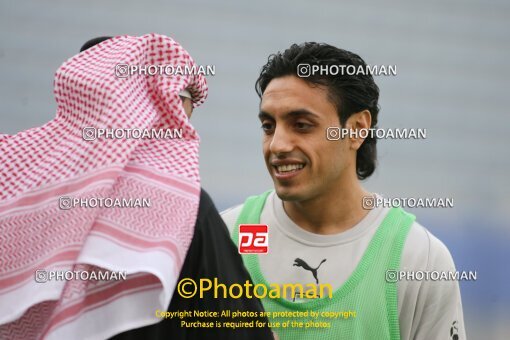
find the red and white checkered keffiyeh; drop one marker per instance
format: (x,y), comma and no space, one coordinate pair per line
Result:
(39,165)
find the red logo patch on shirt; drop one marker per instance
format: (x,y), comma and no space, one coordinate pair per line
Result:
(253,239)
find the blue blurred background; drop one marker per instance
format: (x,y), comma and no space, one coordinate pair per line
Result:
(452,61)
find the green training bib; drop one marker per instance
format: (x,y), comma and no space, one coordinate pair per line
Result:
(366,292)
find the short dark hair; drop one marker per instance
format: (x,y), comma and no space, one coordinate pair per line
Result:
(349,93)
(93,42)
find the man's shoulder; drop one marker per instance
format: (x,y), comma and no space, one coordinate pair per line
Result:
(230,215)
(422,303)
(424,251)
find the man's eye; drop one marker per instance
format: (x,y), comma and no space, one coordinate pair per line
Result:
(303,126)
(267,127)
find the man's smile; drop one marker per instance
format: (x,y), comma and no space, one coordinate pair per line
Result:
(286,169)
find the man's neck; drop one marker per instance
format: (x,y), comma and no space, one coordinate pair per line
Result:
(330,213)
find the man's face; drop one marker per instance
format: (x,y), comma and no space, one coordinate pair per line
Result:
(188,106)
(302,162)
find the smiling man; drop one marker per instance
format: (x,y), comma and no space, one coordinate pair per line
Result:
(319,231)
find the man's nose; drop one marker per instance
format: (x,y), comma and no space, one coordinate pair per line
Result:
(281,142)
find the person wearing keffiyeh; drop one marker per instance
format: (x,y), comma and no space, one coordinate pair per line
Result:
(155,246)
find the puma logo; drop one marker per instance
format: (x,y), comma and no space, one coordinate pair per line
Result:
(300,263)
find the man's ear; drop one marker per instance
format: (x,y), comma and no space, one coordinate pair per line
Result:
(358,121)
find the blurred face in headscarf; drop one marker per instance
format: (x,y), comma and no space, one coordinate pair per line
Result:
(187,103)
